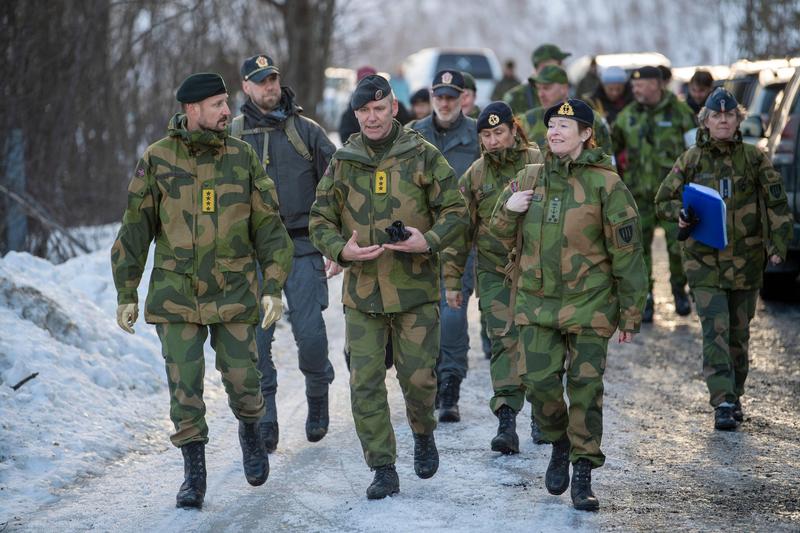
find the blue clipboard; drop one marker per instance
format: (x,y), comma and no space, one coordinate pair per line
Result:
(709,206)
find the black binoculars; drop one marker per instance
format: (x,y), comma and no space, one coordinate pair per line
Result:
(397,232)
(687,215)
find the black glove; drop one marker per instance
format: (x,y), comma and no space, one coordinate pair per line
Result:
(688,216)
(397,232)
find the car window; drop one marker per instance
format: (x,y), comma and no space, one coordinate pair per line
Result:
(475,64)
(768,98)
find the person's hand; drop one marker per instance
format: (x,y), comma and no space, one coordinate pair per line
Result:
(416,244)
(273,309)
(683,223)
(353,252)
(520,201)
(454,299)
(775,259)
(626,336)
(332,268)
(126,316)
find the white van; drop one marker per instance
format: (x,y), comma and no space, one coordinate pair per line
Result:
(420,68)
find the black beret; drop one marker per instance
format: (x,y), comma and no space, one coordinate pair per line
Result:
(721,100)
(449,82)
(422,95)
(257,68)
(647,73)
(371,88)
(200,86)
(573,108)
(495,114)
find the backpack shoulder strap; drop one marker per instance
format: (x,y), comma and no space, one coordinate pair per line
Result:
(237,126)
(295,140)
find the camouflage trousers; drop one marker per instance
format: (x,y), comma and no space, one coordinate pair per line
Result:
(647,216)
(182,348)
(494,298)
(414,335)
(725,316)
(549,354)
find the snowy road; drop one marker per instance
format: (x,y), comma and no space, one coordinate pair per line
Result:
(666,467)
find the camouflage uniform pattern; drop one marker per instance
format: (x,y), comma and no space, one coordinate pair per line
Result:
(536,129)
(386,296)
(653,138)
(523,97)
(182,348)
(581,275)
(481,185)
(725,282)
(212,211)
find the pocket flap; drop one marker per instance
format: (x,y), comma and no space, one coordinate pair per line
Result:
(234,264)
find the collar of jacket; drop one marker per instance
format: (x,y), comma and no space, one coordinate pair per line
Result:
(589,157)
(407,144)
(455,126)
(506,155)
(198,141)
(705,141)
(286,107)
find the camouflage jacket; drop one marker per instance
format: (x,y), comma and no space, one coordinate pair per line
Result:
(758,217)
(582,268)
(653,138)
(536,129)
(205,199)
(481,184)
(412,182)
(523,97)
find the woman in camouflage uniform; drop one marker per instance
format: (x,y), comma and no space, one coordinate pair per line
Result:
(505,151)
(580,275)
(725,282)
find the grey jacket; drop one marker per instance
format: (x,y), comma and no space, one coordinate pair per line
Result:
(458,144)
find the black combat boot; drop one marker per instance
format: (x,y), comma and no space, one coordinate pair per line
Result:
(682,305)
(556,479)
(448,400)
(723,417)
(317,421)
(254,457)
(426,456)
(193,488)
(536,433)
(268,431)
(647,315)
(583,499)
(506,441)
(384,484)
(738,414)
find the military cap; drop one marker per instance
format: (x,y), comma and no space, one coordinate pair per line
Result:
(469,82)
(495,114)
(257,68)
(647,73)
(370,89)
(422,95)
(548,51)
(552,74)
(666,72)
(449,82)
(613,75)
(573,108)
(200,86)
(721,100)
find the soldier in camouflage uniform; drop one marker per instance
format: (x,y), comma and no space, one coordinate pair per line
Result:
(552,86)
(651,130)
(505,152)
(391,289)
(205,199)
(579,276)
(725,282)
(523,97)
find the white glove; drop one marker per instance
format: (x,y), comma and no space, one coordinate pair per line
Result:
(273,309)
(126,316)
(519,201)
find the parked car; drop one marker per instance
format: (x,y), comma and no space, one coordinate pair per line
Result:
(420,68)
(783,147)
(747,76)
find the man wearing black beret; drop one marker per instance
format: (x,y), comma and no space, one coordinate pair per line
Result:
(648,136)
(383,176)
(205,199)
